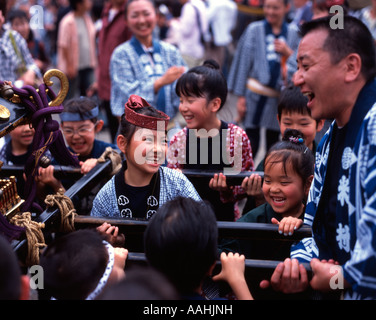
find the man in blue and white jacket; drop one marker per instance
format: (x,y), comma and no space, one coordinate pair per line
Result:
(336,70)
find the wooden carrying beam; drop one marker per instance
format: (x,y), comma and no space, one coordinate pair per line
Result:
(51,216)
(255,271)
(75,173)
(232,179)
(239,230)
(267,265)
(60,172)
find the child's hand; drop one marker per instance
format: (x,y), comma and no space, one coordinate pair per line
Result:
(218,182)
(233,267)
(253,185)
(46,177)
(287,225)
(88,165)
(112,234)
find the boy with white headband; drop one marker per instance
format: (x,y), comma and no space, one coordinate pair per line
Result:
(80,272)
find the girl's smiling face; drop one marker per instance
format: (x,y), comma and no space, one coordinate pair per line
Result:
(194,110)
(284,190)
(199,113)
(146,150)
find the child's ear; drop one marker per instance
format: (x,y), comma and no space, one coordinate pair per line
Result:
(121,143)
(215,104)
(320,125)
(99,126)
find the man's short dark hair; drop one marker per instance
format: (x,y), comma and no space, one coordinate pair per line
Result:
(354,37)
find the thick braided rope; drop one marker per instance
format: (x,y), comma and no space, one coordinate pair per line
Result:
(66,208)
(115,158)
(34,235)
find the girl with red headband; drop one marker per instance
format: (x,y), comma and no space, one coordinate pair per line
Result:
(142,185)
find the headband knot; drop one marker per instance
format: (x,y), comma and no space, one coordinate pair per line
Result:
(141,120)
(136,102)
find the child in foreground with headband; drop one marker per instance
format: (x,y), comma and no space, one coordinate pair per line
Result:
(80,272)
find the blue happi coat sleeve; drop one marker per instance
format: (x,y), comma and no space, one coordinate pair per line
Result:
(360,269)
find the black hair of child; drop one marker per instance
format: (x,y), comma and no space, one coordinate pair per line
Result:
(80,106)
(205,81)
(181,242)
(292,149)
(73,265)
(292,100)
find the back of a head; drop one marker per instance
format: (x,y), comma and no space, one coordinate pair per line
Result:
(181,242)
(10,272)
(141,283)
(206,81)
(354,37)
(292,100)
(73,265)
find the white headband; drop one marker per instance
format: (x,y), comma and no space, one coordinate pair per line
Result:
(103,281)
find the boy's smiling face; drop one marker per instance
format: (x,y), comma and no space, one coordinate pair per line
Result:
(302,122)
(80,135)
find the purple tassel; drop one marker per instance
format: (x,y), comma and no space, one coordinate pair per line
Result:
(47,137)
(8,230)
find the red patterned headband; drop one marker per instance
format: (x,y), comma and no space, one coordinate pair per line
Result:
(141,120)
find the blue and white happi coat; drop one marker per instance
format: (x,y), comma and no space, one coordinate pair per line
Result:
(133,71)
(356,201)
(172,184)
